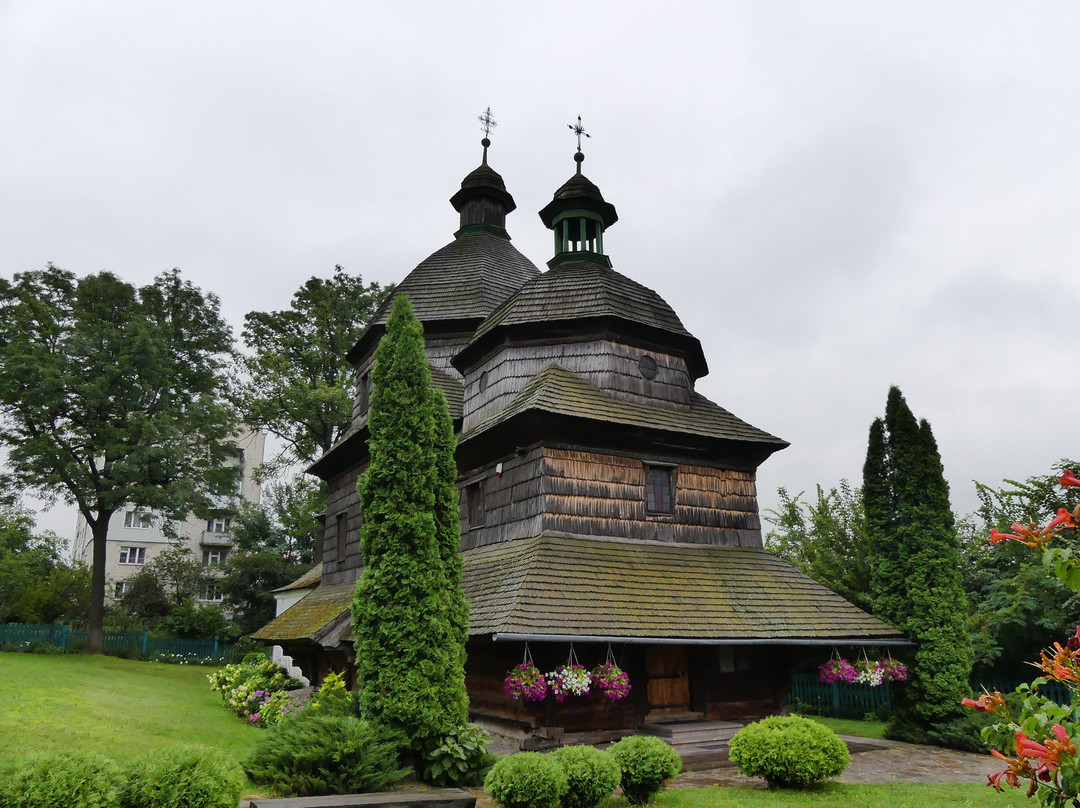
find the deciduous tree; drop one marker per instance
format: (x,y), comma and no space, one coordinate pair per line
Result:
(113,395)
(299,385)
(407,624)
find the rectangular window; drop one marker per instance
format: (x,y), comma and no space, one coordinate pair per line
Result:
(132,555)
(211,591)
(219,524)
(122,588)
(474,497)
(214,557)
(138,519)
(659,489)
(342,533)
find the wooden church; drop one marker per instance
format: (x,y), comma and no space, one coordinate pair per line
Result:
(606,506)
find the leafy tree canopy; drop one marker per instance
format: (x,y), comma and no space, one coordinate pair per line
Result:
(825,538)
(299,384)
(113,395)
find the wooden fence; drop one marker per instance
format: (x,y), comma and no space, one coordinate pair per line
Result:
(842,699)
(139,643)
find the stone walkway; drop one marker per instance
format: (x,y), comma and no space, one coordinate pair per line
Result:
(884,762)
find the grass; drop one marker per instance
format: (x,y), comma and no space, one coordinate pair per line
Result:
(119,708)
(878,795)
(852,726)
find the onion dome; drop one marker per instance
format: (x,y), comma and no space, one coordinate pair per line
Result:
(578,216)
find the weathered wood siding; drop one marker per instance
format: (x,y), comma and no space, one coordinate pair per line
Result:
(512,501)
(440,350)
(604,495)
(342,498)
(611,366)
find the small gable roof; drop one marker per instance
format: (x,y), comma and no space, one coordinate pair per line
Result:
(558,587)
(314,617)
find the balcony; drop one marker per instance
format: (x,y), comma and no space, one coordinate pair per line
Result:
(216,539)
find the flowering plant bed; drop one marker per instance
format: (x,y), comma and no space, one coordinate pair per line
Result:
(612,681)
(573,680)
(526,683)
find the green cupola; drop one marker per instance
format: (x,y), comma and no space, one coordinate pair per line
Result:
(578,216)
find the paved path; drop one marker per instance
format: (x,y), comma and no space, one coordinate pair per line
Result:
(885,762)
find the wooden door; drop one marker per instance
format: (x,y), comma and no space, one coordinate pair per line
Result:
(669,680)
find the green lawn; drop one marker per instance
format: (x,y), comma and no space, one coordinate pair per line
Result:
(851,726)
(122,708)
(117,707)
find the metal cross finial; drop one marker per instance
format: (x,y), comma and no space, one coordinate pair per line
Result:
(579,130)
(488,121)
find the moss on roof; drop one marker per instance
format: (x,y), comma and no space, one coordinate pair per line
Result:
(306,581)
(577,586)
(310,616)
(557,390)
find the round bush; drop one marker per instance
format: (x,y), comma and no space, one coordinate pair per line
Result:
(526,780)
(68,779)
(646,763)
(325,754)
(183,777)
(591,775)
(789,751)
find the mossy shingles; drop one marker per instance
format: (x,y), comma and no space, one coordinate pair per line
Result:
(307,616)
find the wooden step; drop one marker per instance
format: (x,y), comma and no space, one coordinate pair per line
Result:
(691,732)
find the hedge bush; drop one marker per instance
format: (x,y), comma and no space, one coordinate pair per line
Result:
(314,754)
(591,775)
(526,780)
(61,780)
(183,777)
(789,751)
(646,763)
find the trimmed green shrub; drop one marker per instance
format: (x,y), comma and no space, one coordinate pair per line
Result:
(591,775)
(325,754)
(67,779)
(183,777)
(646,763)
(461,758)
(333,697)
(526,780)
(789,751)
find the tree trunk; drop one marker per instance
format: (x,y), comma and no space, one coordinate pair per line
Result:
(95,635)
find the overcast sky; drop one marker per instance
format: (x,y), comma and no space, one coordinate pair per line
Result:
(834,197)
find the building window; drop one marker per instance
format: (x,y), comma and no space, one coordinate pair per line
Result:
(483,381)
(138,519)
(647,367)
(122,588)
(363,393)
(132,555)
(214,557)
(474,497)
(340,526)
(659,489)
(219,524)
(211,591)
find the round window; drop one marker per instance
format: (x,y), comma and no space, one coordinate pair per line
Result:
(647,367)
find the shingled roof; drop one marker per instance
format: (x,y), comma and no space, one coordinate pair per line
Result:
(314,617)
(556,586)
(559,391)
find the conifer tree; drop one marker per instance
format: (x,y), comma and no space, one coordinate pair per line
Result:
(915,569)
(409,638)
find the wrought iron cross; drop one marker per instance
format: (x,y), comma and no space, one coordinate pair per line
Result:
(488,121)
(578,130)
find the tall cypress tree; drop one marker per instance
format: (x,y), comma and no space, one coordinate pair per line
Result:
(409,636)
(914,564)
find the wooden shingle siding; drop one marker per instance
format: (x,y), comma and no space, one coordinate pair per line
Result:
(610,366)
(598,494)
(342,497)
(513,501)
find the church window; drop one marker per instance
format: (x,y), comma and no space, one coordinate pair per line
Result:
(483,381)
(647,367)
(474,496)
(659,489)
(363,392)
(340,525)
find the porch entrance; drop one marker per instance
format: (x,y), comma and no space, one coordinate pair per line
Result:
(669,681)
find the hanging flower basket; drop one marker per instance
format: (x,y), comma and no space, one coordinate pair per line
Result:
(526,683)
(892,670)
(612,681)
(838,669)
(868,673)
(569,680)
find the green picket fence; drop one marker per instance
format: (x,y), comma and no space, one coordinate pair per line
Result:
(843,699)
(138,643)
